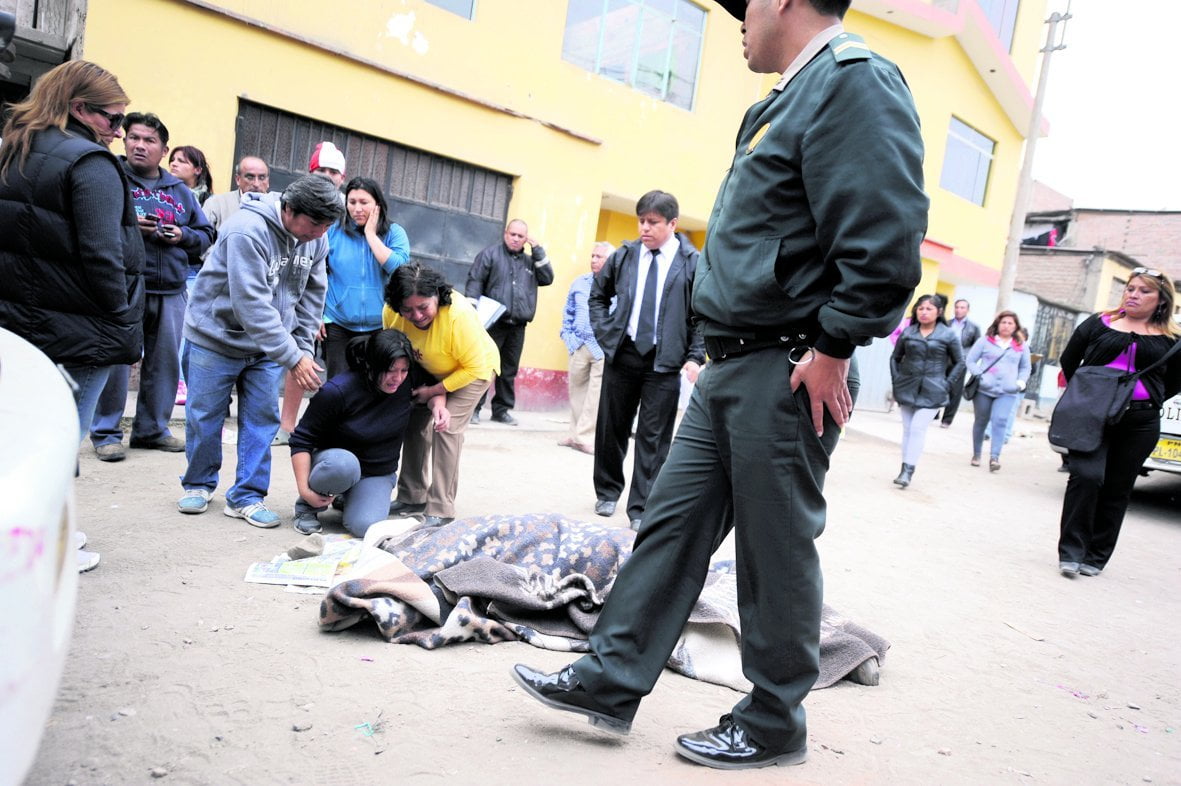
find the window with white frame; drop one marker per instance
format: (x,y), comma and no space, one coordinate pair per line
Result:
(1002,15)
(651,45)
(967,161)
(465,8)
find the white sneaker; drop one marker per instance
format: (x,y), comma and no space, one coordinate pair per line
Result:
(87,560)
(194,501)
(256,513)
(79,540)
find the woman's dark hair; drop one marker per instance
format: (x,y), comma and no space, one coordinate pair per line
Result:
(371,188)
(416,279)
(938,301)
(195,157)
(1016,325)
(371,356)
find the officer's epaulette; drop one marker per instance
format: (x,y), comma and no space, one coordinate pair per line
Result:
(847,47)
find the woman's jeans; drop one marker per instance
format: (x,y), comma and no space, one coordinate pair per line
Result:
(991,412)
(90,381)
(914,431)
(337,472)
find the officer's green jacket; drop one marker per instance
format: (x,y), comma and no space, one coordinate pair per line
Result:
(818,223)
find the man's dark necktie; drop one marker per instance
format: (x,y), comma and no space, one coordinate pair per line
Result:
(646,327)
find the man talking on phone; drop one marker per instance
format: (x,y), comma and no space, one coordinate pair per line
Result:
(175,234)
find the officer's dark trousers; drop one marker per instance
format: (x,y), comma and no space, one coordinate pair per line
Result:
(510,340)
(1100,486)
(629,383)
(747,458)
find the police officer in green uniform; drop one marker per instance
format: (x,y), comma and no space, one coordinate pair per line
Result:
(812,250)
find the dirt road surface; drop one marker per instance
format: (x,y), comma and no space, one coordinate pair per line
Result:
(1001,670)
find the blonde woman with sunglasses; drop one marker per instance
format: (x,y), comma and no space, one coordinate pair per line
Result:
(70,249)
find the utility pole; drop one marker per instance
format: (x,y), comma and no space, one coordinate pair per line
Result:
(1025,179)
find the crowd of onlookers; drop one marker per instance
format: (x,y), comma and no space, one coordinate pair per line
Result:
(226,299)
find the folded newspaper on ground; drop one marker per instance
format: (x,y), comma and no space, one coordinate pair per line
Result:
(340,551)
(489,310)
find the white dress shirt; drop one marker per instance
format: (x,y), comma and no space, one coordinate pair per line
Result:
(663,263)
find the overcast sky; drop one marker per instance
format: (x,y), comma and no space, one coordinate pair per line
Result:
(1113,108)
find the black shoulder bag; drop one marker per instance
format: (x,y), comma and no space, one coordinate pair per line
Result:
(1095,397)
(973,383)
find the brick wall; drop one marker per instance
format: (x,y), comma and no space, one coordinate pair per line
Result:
(1059,276)
(1152,239)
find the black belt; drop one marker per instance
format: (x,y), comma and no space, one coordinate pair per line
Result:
(1142,405)
(722,347)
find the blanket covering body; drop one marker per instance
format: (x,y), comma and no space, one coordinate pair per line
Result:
(542,578)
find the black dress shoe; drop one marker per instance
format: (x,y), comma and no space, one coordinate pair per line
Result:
(436,521)
(605,507)
(505,418)
(727,747)
(563,691)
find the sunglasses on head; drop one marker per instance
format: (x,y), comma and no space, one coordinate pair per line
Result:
(1147,271)
(114,119)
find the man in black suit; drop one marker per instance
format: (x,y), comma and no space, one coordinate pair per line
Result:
(648,340)
(968,332)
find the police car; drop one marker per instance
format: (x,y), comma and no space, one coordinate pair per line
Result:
(1167,453)
(38,568)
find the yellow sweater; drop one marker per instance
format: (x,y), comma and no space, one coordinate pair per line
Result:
(455,348)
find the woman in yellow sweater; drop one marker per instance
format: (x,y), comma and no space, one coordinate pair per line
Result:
(451,344)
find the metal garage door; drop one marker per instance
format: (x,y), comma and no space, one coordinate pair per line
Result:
(449,209)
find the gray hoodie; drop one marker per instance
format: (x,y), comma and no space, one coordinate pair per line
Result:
(260,291)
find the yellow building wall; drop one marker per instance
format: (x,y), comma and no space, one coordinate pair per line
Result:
(1111,272)
(571,139)
(1029,36)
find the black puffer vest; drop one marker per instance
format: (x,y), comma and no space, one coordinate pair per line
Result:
(79,309)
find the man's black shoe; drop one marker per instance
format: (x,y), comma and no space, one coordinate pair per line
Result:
(505,418)
(605,507)
(563,691)
(727,747)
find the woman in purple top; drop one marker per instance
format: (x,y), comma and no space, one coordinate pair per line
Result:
(344,452)
(1131,336)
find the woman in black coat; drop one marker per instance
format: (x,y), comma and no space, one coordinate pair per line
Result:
(1131,336)
(71,255)
(927,358)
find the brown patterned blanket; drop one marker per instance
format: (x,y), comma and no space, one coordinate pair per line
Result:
(542,579)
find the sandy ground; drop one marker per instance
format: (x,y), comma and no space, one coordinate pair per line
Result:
(1001,670)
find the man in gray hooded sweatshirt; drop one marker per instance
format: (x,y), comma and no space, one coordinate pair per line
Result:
(254,311)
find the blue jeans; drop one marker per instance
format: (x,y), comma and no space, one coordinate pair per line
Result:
(991,412)
(90,381)
(367,501)
(164,317)
(211,378)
